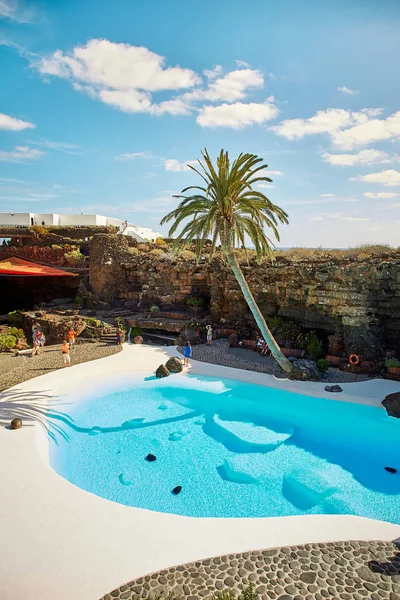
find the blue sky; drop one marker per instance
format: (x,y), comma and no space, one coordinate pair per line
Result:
(103,103)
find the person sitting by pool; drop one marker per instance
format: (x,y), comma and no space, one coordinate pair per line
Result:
(265,351)
(65,353)
(187,353)
(260,344)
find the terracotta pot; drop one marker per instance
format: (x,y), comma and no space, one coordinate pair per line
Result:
(394,370)
(293,352)
(333,360)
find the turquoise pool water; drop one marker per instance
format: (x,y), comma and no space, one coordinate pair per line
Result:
(237,449)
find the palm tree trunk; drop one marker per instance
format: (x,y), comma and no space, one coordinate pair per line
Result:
(276,352)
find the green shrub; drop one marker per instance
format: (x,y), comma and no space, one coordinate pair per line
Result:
(92,322)
(74,256)
(194,302)
(315,348)
(78,300)
(391,363)
(304,338)
(157,252)
(274,322)
(248,593)
(187,255)
(17,332)
(154,308)
(135,331)
(15,317)
(323,365)
(7,342)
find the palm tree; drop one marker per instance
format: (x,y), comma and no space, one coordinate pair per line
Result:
(227,208)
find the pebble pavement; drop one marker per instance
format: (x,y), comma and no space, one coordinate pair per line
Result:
(324,571)
(16,369)
(219,353)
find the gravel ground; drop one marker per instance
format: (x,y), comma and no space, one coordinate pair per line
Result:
(219,353)
(16,369)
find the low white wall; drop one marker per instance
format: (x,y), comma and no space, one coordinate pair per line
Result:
(82,220)
(16,218)
(47,218)
(113,221)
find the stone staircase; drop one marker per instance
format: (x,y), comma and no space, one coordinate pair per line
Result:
(109,335)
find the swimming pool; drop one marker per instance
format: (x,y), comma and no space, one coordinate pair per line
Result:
(236,449)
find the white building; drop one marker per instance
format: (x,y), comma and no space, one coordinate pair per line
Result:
(48,219)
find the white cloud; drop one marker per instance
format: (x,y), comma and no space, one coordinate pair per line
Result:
(21,154)
(213,73)
(316,219)
(348,91)
(59,146)
(378,195)
(276,173)
(374,130)
(13,10)
(12,124)
(172,164)
(242,63)
(236,115)
(355,219)
(133,155)
(329,121)
(229,88)
(347,129)
(388,178)
(122,75)
(327,195)
(364,157)
(177,106)
(265,185)
(126,77)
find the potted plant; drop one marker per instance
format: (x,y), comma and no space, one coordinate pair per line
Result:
(393,366)
(194,303)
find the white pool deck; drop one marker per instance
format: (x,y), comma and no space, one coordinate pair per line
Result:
(58,541)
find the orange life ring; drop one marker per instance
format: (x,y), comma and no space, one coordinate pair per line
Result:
(354,359)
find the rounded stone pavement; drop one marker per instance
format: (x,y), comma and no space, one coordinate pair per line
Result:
(332,571)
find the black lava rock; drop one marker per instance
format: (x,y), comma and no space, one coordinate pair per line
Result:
(177,490)
(390,469)
(150,458)
(333,388)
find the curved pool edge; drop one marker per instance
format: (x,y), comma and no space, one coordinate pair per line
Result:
(67,543)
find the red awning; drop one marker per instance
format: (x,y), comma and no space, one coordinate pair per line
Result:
(18,267)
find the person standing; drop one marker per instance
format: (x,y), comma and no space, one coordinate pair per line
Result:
(209,334)
(65,354)
(36,343)
(120,334)
(71,337)
(187,353)
(42,339)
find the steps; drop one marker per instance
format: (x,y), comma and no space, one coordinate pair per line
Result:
(109,335)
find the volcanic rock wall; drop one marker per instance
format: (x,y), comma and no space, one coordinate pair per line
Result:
(357,300)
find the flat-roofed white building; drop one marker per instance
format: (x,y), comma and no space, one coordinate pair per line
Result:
(48,219)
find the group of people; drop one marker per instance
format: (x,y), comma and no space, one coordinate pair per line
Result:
(67,345)
(38,340)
